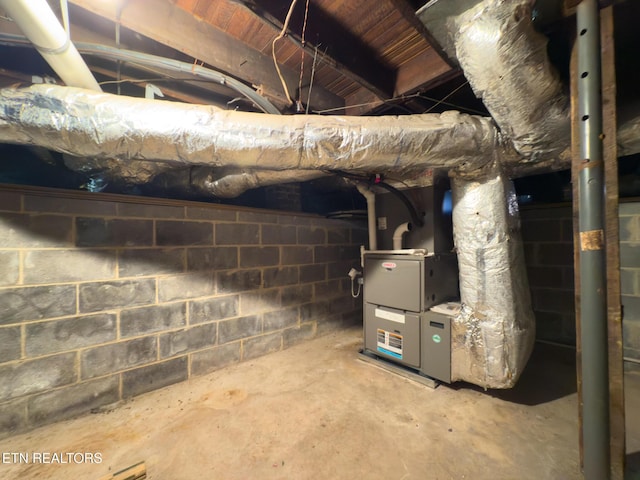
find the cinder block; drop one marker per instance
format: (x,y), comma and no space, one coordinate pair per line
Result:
(150,261)
(312,236)
(341,304)
(545,212)
(280,319)
(295,219)
(259,301)
(331,324)
(212,258)
(631,333)
(549,300)
(629,208)
(237,328)
(549,325)
(99,361)
(349,253)
(294,335)
(278,235)
(183,233)
(630,281)
(327,290)
(98,232)
(10,201)
(567,230)
(190,285)
(238,281)
(153,377)
(545,277)
(99,296)
(314,311)
(297,255)
(25,230)
(630,308)
(296,295)
(35,303)
(9,268)
(555,254)
(207,361)
(544,230)
(33,376)
(630,229)
(630,255)
(72,401)
(277,277)
(313,273)
(217,213)
(338,235)
(359,236)
(145,320)
(9,344)
(262,345)
(150,211)
(187,340)
(13,418)
(257,217)
(48,203)
(69,334)
(259,256)
(212,309)
(59,266)
(341,269)
(237,234)
(326,254)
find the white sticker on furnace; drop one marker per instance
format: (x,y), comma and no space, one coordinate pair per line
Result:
(394,317)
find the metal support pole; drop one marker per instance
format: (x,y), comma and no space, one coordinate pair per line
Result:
(593,305)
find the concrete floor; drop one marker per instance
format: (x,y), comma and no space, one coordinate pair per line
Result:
(315,411)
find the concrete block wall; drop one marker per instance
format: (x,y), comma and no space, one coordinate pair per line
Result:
(548,240)
(107,297)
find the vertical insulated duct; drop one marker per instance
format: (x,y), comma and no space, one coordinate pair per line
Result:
(493,336)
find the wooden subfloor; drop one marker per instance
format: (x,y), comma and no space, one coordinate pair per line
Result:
(316,412)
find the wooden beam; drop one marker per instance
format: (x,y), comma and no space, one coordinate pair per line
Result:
(407,11)
(168,24)
(370,82)
(421,72)
(612,238)
(351,57)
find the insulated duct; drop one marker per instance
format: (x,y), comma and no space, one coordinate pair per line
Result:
(506,63)
(493,335)
(87,124)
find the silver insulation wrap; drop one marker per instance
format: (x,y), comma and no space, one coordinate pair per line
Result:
(506,63)
(629,137)
(103,126)
(493,335)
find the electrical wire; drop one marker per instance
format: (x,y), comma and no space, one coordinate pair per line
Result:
(273,50)
(302,55)
(313,73)
(446,96)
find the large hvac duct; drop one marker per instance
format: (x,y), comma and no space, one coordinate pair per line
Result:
(493,335)
(103,126)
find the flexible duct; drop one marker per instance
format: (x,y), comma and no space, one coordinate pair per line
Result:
(38,22)
(506,63)
(83,123)
(493,335)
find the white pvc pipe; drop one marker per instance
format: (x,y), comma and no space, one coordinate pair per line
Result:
(38,22)
(398,234)
(371,214)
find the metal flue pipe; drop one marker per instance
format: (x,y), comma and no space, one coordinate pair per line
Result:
(593,303)
(38,22)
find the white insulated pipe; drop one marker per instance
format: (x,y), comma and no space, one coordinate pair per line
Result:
(38,22)
(398,233)
(371,214)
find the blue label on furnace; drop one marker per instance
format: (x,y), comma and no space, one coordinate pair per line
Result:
(388,352)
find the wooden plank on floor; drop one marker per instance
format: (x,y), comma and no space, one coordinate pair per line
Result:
(614,309)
